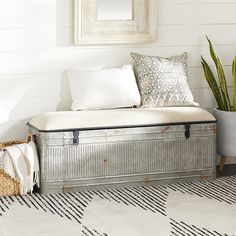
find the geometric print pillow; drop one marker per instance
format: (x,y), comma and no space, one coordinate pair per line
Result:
(162,81)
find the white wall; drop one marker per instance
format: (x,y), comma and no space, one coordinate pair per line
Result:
(35,50)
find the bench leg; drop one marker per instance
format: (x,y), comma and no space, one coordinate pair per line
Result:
(222,162)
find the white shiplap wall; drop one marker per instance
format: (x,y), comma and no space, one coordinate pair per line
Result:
(36,49)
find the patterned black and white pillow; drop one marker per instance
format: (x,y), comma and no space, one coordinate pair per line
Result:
(163,81)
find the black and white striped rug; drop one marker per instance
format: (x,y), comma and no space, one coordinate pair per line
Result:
(191,209)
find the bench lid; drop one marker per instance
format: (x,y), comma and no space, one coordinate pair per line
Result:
(119,118)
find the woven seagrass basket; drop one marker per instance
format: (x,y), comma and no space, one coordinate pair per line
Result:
(8,185)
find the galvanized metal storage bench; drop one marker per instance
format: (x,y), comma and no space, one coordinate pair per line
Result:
(109,148)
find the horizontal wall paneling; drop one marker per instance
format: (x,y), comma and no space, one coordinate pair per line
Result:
(36,50)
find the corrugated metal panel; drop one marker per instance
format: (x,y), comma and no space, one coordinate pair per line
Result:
(125,155)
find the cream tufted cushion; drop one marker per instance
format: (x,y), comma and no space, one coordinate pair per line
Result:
(67,120)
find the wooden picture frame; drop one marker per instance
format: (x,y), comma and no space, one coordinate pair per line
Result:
(89,30)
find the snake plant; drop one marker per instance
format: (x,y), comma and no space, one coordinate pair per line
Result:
(218,84)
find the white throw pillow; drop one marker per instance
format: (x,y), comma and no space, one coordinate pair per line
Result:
(103,89)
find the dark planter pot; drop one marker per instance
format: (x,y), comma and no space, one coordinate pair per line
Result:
(226,132)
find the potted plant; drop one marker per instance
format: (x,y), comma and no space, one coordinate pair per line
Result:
(226,111)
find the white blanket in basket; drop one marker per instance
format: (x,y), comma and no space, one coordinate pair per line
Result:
(21,163)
